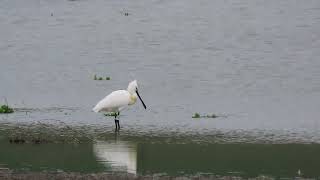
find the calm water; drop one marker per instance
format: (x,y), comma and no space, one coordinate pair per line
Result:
(117,152)
(255,63)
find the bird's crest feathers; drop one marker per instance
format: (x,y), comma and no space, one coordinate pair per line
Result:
(133,85)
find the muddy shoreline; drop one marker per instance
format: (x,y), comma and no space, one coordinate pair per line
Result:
(6,174)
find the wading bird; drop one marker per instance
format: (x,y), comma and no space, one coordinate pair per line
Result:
(118,100)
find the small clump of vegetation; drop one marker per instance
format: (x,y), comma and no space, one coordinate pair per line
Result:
(6,109)
(95,77)
(197,115)
(111,114)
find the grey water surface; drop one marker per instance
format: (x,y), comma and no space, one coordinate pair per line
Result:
(254,63)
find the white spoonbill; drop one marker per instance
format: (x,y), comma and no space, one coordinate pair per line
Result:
(117,100)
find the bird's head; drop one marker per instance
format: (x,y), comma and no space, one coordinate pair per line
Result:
(132,87)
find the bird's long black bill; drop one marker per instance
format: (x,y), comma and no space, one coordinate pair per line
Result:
(141,99)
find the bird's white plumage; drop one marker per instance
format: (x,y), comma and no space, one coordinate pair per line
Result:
(117,100)
(113,101)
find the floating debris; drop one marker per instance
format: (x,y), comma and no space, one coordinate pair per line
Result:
(212,116)
(6,109)
(197,115)
(95,77)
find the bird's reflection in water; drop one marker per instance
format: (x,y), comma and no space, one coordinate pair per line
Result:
(120,155)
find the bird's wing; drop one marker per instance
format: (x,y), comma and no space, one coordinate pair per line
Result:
(113,101)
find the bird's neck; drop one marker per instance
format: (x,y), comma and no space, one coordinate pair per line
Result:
(133,98)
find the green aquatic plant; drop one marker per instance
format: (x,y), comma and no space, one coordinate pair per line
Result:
(95,77)
(100,78)
(111,114)
(197,115)
(6,109)
(108,78)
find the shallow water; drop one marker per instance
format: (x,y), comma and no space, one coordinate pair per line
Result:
(254,63)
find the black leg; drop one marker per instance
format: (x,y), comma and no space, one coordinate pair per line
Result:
(118,124)
(115,121)
(118,121)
